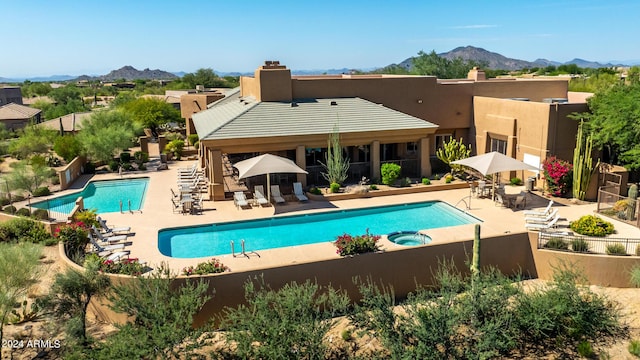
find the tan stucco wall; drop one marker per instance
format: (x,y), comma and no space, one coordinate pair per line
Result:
(534,90)
(193,103)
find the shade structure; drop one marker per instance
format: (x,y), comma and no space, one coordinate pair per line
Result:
(267,164)
(493,163)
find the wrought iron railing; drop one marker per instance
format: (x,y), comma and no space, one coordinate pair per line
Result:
(586,244)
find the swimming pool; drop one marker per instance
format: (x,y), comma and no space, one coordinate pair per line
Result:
(283,231)
(102,195)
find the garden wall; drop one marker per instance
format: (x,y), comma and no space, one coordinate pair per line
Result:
(71,172)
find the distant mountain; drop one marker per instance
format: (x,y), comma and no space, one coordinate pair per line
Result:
(51,78)
(130,73)
(498,61)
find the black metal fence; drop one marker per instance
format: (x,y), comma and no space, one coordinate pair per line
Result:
(590,245)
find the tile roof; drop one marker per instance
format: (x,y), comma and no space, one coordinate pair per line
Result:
(13,111)
(236,117)
(67,122)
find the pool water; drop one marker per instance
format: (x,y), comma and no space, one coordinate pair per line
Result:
(104,196)
(283,231)
(409,238)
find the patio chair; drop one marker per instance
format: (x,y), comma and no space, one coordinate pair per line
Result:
(240,199)
(112,230)
(521,200)
(258,195)
(540,219)
(177,207)
(500,200)
(173,194)
(107,239)
(297,191)
(196,206)
(543,226)
(98,249)
(544,212)
(117,256)
(275,194)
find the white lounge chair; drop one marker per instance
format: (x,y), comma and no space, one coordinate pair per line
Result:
(540,219)
(297,191)
(240,199)
(116,256)
(275,194)
(258,195)
(107,239)
(106,248)
(544,212)
(112,230)
(543,226)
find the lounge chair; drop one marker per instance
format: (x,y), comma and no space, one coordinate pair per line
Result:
(544,212)
(258,195)
(177,207)
(275,194)
(543,226)
(240,199)
(116,256)
(107,239)
(112,230)
(540,219)
(521,200)
(106,248)
(297,191)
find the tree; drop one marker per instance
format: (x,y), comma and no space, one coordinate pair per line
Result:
(32,140)
(70,296)
(18,271)
(152,113)
(443,68)
(28,176)
(107,132)
(614,123)
(205,77)
(336,164)
(68,147)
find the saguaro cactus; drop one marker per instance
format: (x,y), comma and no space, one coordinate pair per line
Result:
(475,262)
(583,167)
(631,206)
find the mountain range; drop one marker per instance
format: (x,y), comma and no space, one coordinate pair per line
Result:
(494,61)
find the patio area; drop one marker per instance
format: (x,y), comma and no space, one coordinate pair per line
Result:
(157,213)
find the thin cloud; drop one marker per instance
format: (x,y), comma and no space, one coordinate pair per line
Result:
(479,26)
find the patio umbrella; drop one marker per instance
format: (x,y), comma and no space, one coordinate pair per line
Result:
(267,164)
(493,163)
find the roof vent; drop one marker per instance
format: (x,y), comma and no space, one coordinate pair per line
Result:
(294,104)
(334,103)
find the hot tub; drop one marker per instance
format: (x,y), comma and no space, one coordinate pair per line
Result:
(409,238)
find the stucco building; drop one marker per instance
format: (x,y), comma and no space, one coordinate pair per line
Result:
(382,118)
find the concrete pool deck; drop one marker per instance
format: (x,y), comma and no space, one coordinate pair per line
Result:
(157,214)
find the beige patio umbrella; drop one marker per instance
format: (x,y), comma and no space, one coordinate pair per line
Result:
(494,163)
(267,164)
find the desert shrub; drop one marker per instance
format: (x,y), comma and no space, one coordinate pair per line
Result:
(516,181)
(634,348)
(315,191)
(114,166)
(17,197)
(88,217)
(9,209)
(352,245)
(212,266)
(290,323)
(42,191)
(175,147)
(141,156)
(616,249)
(192,139)
(125,157)
(130,266)
(448,179)
(334,187)
(74,237)
(579,245)
(635,276)
(4,201)
(55,179)
(557,243)
(390,173)
(426,181)
(405,182)
(127,166)
(40,214)
(373,187)
(585,349)
(24,229)
(23,212)
(591,225)
(89,168)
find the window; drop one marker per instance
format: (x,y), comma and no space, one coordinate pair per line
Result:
(441,140)
(499,146)
(412,147)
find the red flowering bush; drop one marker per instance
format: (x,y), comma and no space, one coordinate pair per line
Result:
(558,174)
(75,238)
(131,266)
(351,245)
(212,266)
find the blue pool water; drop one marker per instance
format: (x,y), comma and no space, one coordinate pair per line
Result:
(276,232)
(104,195)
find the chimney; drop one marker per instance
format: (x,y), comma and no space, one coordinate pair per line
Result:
(476,74)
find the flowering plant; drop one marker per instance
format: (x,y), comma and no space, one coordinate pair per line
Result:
(74,237)
(351,245)
(212,266)
(130,266)
(558,174)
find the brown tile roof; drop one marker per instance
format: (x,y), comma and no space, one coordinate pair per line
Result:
(67,122)
(17,112)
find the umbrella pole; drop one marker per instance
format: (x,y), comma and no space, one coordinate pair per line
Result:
(269,187)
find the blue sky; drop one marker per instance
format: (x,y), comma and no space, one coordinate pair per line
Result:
(63,37)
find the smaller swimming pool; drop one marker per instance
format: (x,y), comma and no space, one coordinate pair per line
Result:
(409,238)
(103,195)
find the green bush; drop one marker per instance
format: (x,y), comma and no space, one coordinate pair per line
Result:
(634,348)
(635,276)
(373,187)
(315,191)
(4,201)
(24,229)
(42,191)
(352,245)
(426,181)
(23,212)
(89,168)
(212,266)
(127,166)
(616,249)
(192,139)
(125,157)
(405,182)
(175,147)
(448,179)
(592,225)
(516,181)
(390,173)
(579,245)
(130,266)
(334,187)
(74,237)
(114,166)
(9,209)
(40,214)
(557,243)
(141,156)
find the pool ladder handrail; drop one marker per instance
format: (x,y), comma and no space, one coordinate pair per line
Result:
(467,206)
(244,252)
(422,237)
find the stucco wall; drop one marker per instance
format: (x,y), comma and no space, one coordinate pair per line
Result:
(71,172)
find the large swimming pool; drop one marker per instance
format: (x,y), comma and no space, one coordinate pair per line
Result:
(283,231)
(104,196)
